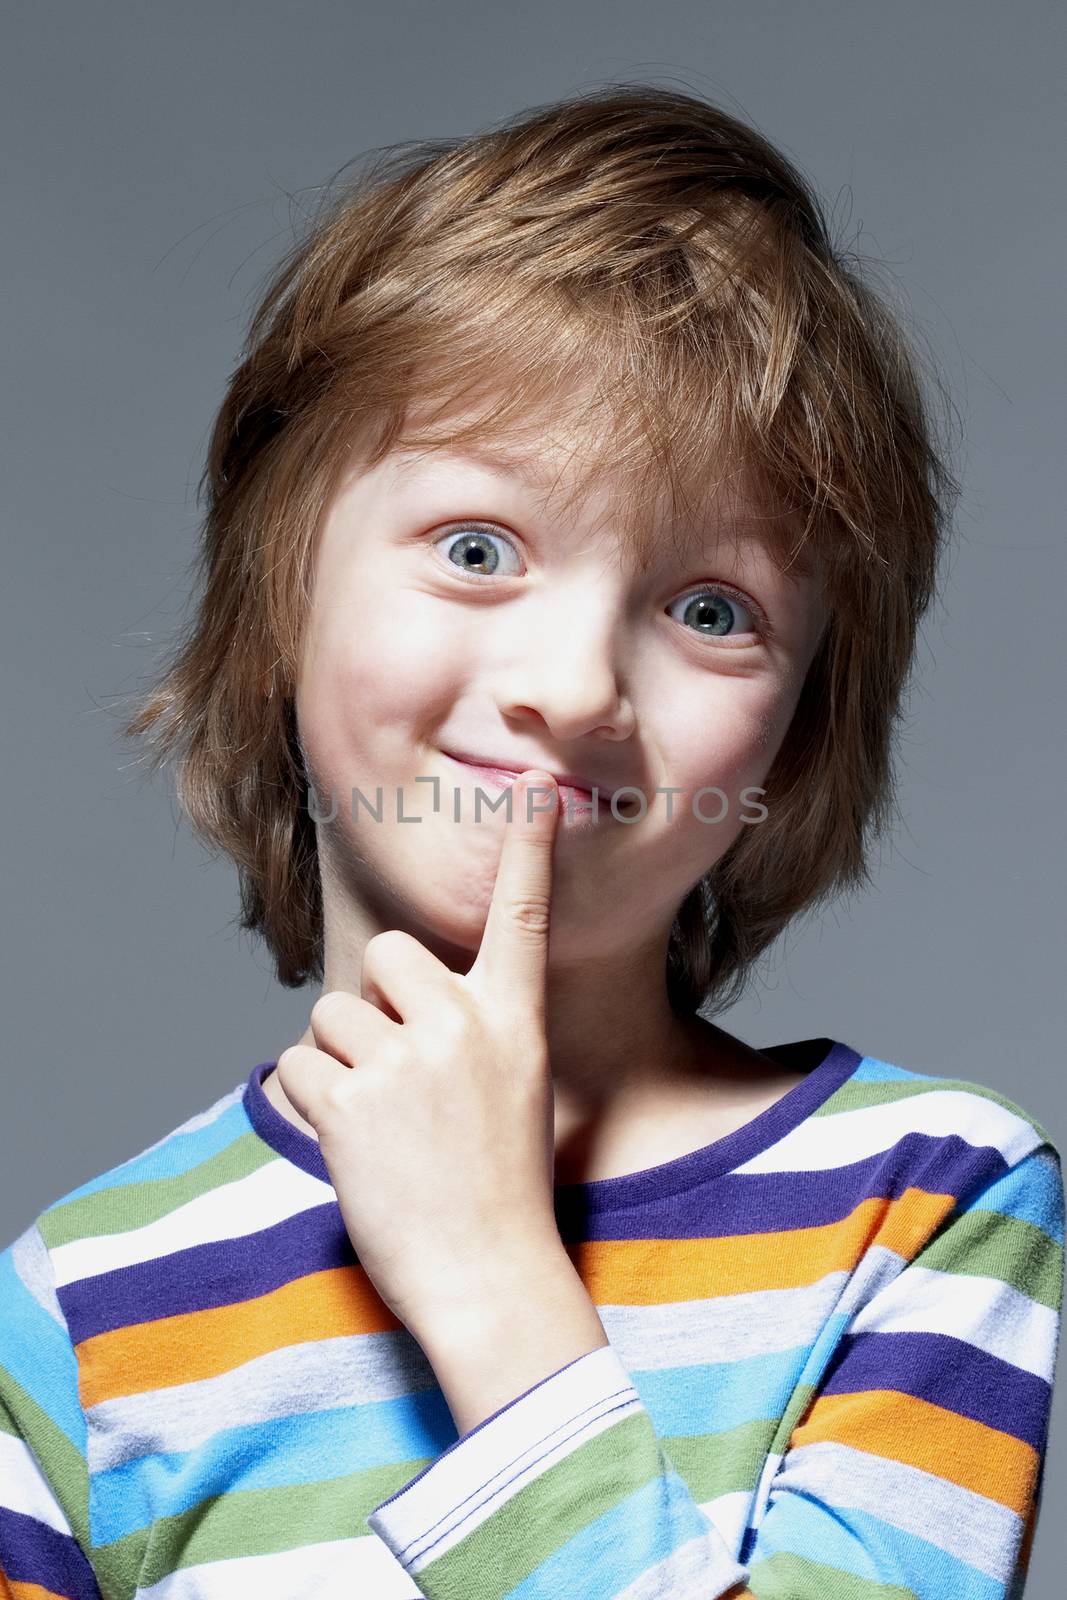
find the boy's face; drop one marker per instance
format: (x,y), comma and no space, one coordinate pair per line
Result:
(530,639)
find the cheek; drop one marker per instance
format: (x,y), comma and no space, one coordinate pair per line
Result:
(374,677)
(730,739)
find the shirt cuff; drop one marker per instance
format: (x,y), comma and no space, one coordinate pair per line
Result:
(453,1502)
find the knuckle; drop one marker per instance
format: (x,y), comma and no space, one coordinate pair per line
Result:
(531,914)
(327,1005)
(336,1094)
(288,1059)
(452,1024)
(389,940)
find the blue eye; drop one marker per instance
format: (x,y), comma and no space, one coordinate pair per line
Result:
(474,550)
(715,611)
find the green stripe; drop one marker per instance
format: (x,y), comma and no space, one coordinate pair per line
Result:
(722,1463)
(784,1576)
(263,1521)
(988,1244)
(61,1462)
(540,1518)
(122,1207)
(859,1095)
(254,1522)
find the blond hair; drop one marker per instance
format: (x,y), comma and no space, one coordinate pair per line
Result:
(654,274)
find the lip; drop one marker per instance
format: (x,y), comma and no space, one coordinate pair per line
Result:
(578,805)
(578,782)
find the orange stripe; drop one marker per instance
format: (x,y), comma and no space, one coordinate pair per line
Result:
(326,1305)
(656,1271)
(884,1422)
(202,1344)
(12,1590)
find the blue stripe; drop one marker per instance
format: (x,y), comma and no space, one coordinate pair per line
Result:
(616,1548)
(277,1453)
(1032,1191)
(854,1541)
(36,1352)
(871,1070)
(178,1154)
(686,1402)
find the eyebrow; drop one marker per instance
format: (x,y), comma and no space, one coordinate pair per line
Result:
(518,464)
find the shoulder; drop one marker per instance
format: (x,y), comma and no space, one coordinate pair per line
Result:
(192,1157)
(967,1179)
(941,1105)
(936,1134)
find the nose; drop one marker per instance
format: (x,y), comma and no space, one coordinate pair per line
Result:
(562,666)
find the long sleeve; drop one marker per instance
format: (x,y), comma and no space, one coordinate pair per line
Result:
(908,1468)
(44,1480)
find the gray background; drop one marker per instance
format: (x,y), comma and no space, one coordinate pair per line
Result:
(155,158)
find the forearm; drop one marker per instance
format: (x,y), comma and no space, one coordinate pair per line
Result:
(507,1337)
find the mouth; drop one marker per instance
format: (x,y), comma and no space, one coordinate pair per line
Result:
(580,806)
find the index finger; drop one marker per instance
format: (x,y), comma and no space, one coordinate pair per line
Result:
(513,955)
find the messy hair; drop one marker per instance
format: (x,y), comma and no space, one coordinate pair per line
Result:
(655,276)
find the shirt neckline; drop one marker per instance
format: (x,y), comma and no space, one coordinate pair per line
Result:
(836,1064)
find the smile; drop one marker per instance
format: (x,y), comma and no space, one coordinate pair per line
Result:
(578,809)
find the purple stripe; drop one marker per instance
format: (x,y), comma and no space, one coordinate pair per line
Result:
(216,1274)
(277,1131)
(948,1372)
(765,1202)
(671,1178)
(32,1552)
(207,1276)
(835,1064)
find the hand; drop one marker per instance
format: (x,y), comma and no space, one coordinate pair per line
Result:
(437,1127)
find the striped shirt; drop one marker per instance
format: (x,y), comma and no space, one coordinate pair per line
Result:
(833,1336)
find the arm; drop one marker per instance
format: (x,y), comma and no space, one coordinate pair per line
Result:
(44,1480)
(912,1468)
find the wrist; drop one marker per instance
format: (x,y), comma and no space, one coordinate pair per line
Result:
(507,1334)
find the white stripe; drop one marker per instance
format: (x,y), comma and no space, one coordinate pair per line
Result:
(731,1514)
(269,1195)
(843,1137)
(729,1327)
(985,1311)
(358,1369)
(24,1487)
(763,1488)
(29,1257)
(692,1572)
(339,1569)
(466,1485)
(320,1375)
(970,1526)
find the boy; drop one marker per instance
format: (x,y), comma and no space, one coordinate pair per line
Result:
(570,451)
